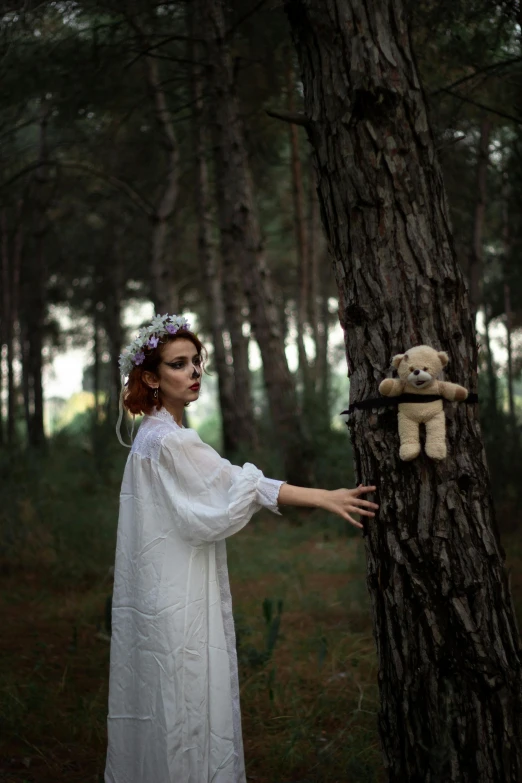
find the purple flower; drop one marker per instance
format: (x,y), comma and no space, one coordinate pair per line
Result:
(186,326)
(153,342)
(171,329)
(139,358)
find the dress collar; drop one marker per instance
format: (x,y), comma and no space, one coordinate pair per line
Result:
(163,413)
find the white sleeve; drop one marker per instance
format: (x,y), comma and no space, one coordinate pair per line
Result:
(209,497)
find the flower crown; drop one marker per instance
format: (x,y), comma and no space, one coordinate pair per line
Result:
(149,337)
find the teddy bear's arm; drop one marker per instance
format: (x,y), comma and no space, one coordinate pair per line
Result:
(452,391)
(391,387)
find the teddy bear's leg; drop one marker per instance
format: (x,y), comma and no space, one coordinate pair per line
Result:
(436,437)
(409,436)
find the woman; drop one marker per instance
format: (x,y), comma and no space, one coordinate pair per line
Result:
(173,698)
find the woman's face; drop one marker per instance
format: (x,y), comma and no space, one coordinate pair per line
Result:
(179,373)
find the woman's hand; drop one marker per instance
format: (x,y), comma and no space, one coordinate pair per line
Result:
(345,502)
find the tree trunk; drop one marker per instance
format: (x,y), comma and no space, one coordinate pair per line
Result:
(96,367)
(476,256)
(207,257)
(300,236)
(445,628)
(506,242)
(35,300)
(312,251)
(164,291)
(242,242)
(11,258)
(509,347)
(492,410)
(114,327)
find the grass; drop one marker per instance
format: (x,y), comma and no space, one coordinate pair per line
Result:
(307,661)
(308,710)
(307,657)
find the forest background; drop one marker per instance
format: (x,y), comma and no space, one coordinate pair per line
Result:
(115,201)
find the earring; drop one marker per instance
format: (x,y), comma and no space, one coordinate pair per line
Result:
(155,395)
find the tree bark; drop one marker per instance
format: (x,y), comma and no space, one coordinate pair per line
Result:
(11,260)
(506,242)
(300,235)
(476,256)
(492,409)
(164,291)
(312,251)
(35,299)
(208,258)
(447,641)
(242,242)
(113,323)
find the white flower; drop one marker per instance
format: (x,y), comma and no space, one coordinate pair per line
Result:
(156,329)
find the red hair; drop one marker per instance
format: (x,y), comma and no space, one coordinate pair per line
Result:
(138,396)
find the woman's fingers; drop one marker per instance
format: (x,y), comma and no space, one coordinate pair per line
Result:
(362,512)
(363,490)
(364,503)
(353,522)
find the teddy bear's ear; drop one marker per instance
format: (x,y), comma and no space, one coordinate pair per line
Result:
(444,358)
(398,359)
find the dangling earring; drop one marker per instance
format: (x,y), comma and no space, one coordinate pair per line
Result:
(155,395)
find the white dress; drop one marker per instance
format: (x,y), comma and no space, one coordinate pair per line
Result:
(173,690)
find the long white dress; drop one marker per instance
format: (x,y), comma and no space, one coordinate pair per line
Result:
(173,690)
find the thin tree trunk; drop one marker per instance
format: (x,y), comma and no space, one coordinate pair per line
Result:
(242,240)
(323,366)
(96,367)
(35,287)
(11,258)
(314,294)
(491,374)
(5,314)
(164,291)
(26,379)
(14,319)
(113,321)
(509,346)
(476,256)
(300,236)
(447,640)
(506,241)
(208,260)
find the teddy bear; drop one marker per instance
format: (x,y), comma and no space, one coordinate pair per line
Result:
(418,369)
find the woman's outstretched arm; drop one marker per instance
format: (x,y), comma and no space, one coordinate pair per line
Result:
(342,502)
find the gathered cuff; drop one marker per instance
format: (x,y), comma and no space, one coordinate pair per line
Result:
(268,493)
(243,493)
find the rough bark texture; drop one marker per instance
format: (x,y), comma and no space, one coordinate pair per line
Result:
(35,298)
(242,244)
(507,250)
(164,291)
(207,253)
(476,257)
(300,235)
(447,641)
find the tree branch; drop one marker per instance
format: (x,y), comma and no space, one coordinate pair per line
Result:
(116,182)
(483,106)
(294,119)
(463,79)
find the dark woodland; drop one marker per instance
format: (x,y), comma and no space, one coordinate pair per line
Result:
(320,184)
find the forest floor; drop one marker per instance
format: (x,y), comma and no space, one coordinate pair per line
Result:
(308,687)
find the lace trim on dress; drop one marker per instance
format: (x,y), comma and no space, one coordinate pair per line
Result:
(153,429)
(268,492)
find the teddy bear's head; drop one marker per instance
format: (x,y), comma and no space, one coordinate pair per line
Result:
(420,366)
